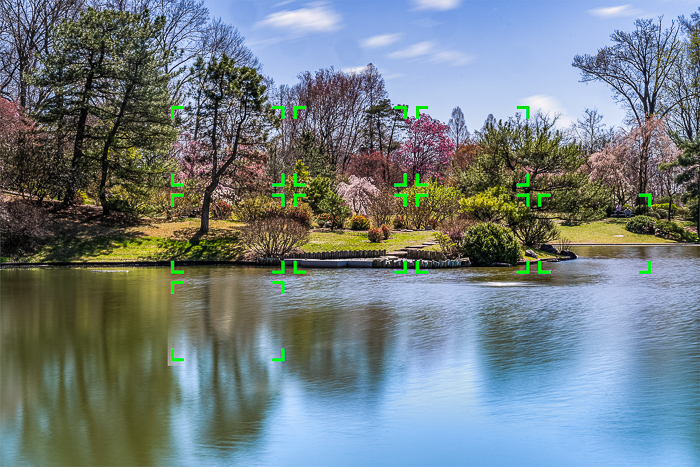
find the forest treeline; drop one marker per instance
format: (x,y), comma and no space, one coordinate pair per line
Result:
(86,88)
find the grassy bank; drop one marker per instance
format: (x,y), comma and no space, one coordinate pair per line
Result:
(82,235)
(607,231)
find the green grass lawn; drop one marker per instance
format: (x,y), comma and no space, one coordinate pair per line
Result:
(357,240)
(604,231)
(178,240)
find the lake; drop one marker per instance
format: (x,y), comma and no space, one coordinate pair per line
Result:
(593,364)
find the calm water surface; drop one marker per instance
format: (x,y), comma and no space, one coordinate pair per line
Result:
(593,364)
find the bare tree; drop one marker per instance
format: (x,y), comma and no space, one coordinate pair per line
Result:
(637,67)
(25,30)
(458,128)
(591,133)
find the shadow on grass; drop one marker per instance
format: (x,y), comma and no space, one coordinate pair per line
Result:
(79,249)
(221,248)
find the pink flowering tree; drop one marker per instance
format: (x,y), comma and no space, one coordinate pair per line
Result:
(428,149)
(633,159)
(358,193)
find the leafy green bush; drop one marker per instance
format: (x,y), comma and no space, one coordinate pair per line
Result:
(359,223)
(669,229)
(375,235)
(683,213)
(448,247)
(491,205)
(664,206)
(533,230)
(489,243)
(337,210)
(641,225)
(386,231)
(249,209)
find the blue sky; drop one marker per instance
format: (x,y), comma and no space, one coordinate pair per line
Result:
(485,56)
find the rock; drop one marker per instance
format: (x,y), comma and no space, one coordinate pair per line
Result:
(549,249)
(531,254)
(501,265)
(569,253)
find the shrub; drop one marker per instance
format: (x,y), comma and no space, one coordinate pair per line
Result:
(249,209)
(489,243)
(335,207)
(220,210)
(655,214)
(664,206)
(433,223)
(375,235)
(669,229)
(399,223)
(382,205)
(534,231)
(455,228)
(448,247)
(683,213)
(274,236)
(22,228)
(386,231)
(323,219)
(359,223)
(641,225)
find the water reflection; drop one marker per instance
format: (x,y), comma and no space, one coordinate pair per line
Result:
(593,359)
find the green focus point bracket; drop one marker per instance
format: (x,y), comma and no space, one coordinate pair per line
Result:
(280,107)
(647,196)
(539,269)
(419,184)
(405,182)
(279,195)
(173,196)
(405,269)
(281,271)
(527,269)
(298,107)
(298,195)
(405,110)
(526,184)
(648,271)
(172,357)
(295,269)
(279,185)
(172,286)
(418,271)
(294,178)
(418,107)
(404,196)
(172,269)
(526,196)
(281,359)
(173,108)
(419,196)
(281,283)
(526,108)
(172,182)
(540,196)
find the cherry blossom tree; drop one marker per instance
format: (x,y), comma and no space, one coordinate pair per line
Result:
(637,152)
(358,193)
(428,149)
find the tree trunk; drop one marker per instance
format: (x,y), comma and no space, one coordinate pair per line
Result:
(206,202)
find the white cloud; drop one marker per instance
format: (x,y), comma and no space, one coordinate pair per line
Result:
(380,41)
(315,17)
(547,104)
(440,5)
(429,51)
(452,58)
(413,51)
(355,69)
(614,11)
